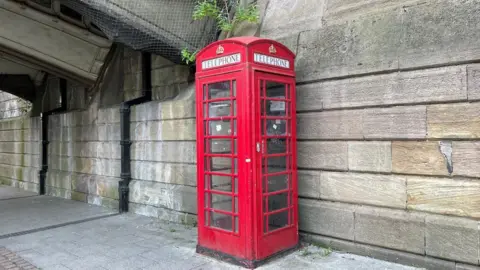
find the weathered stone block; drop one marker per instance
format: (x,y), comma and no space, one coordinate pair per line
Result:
(473,79)
(102,201)
(454,120)
(466,158)
(171,173)
(323,155)
(399,257)
(167,110)
(330,125)
(325,218)
(169,130)
(59,179)
(437,32)
(103,186)
(370,156)
(461,266)
(430,85)
(309,184)
(163,214)
(84,165)
(169,75)
(339,11)
(159,62)
(182,151)
(394,229)
(281,16)
(58,192)
(429,34)
(366,45)
(381,190)
(78,196)
(420,158)
(459,197)
(108,167)
(405,122)
(452,238)
(174,197)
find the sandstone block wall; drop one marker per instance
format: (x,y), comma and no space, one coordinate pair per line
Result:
(84,152)
(388,124)
(20,152)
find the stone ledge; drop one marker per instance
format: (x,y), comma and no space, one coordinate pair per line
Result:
(381,253)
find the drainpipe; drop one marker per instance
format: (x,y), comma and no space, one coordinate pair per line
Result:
(44,119)
(125,142)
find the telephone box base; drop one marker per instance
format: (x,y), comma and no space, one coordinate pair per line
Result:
(249,264)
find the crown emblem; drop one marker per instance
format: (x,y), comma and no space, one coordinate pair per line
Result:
(220,49)
(272,49)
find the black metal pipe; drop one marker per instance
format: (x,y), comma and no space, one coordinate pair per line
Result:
(44,119)
(125,142)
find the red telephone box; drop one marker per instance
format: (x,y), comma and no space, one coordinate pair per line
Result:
(246,150)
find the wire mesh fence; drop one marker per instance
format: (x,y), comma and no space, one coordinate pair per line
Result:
(162,27)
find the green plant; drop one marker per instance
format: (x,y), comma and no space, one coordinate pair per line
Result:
(226,13)
(188,57)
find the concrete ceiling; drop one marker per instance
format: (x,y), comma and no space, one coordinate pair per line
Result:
(35,40)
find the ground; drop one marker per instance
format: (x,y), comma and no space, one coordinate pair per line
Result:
(41,232)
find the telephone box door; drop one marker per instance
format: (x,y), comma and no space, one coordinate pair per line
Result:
(221,146)
(276,179)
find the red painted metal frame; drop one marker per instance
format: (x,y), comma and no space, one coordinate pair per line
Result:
(249,245)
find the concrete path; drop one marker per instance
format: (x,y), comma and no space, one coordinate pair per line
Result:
(29,212)
(42,232)
(7,193)
(137,242)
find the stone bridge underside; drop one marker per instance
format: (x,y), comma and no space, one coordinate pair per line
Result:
(41,37)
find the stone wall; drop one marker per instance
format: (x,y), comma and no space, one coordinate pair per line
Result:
(20,152)
(388,125)
(84,149)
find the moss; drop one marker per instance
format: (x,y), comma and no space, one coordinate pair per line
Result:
(79,196)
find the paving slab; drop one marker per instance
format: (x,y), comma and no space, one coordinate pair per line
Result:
(7,193)
(23,214)
(130,241)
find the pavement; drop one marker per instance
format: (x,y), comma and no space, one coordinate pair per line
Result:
(104,241)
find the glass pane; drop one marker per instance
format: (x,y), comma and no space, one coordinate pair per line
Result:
(223,183)
(276,146)
(278,201)
(277,221)
(219,128)
(275,90)
(220,146)
(234,88)
(219,90)
(275,183)
(265,224)
(207,182)
(221,164)
(277,164)
(276,127)
(221,221)
(221,202)
(206,218)
(236,205)
(276,107)
(207,200)
(220,108)
(236,185)
(236,224)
